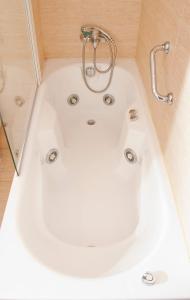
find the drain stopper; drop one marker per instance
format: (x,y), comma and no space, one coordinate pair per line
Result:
(148,278)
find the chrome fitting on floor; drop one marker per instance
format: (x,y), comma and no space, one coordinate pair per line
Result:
(148,278)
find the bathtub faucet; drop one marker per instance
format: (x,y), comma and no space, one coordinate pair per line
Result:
(95,35)
(91,34)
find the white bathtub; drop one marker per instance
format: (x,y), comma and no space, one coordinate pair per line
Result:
(90,224)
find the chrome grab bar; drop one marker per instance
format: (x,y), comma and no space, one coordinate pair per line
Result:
(169,97)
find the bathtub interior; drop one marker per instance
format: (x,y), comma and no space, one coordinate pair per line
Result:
(95,214)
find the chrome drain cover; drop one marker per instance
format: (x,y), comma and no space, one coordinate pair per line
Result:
(108,99)
(73,99)
(148,278)
(130,155)
(51,156)
(91,122)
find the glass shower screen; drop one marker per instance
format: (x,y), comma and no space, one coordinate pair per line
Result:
(18,81)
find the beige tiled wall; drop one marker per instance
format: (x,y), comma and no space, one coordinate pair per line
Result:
(13,31)
(61,21)
(161,21)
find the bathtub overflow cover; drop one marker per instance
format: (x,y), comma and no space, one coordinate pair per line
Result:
(90,71)
(148,278)
(130,155)
(51,156)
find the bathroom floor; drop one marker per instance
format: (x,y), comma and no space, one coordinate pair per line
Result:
(6,173)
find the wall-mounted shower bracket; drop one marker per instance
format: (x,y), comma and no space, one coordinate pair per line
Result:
(166,48)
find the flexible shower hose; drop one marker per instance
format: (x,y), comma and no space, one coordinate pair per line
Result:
(113,54)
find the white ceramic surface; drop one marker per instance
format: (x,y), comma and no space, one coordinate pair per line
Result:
(90,224)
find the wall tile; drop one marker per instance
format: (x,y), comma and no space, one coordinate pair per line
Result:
(61,21)
(160,21)
(13,31)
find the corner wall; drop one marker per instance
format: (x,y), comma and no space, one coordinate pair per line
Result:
(170,21)
(14,44)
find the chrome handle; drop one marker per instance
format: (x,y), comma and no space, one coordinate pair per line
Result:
(169,97)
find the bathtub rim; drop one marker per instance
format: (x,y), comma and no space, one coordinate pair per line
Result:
(125,240)
(123,286)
